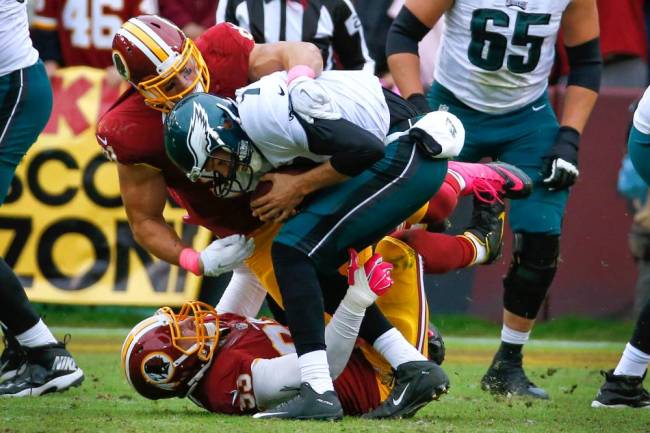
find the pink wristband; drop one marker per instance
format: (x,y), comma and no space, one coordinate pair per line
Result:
(189,260)
(300,71)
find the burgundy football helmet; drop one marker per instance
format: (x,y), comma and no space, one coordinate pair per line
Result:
(166,354)
(151,52)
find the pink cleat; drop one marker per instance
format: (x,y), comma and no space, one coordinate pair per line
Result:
(493,181)
(376,271)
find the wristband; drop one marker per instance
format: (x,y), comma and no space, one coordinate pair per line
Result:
(189,260)
(300,71)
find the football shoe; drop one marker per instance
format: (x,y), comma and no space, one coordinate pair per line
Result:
(622,391)
(308,404)
(507,377)
(416,383)
(12,358)
(48,368)
(436,345)
(486,228)
(493,181)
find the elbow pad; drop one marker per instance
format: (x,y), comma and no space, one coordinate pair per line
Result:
(405,33)
(586,65)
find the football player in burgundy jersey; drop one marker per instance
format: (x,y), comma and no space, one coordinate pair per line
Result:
(232,364)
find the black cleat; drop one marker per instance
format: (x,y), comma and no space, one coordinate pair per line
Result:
(48,368)
(308,404)
(507,377)
(486,227)
(416,384)
(622,391)
(12,358)
(436,345)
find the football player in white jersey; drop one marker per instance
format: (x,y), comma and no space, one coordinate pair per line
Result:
(359,189)
(33,362)
(623,385)
(493,74)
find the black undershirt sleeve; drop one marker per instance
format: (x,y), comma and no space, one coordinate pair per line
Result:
(352,148)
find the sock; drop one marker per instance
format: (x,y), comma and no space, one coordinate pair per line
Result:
(633,362)
(480,249)
(443,203)
(462,185)
(393,346)
(315,371)
(509,335)
(37,335)
(440,253)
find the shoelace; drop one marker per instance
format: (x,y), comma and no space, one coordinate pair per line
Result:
(486,192)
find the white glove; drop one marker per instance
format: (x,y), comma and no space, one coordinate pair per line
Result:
(310,100)
(224,255)
(446,133)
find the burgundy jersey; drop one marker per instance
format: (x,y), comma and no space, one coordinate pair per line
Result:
(227,386)
(85,28)
(132,133)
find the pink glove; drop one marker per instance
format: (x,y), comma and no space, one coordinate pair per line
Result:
(377,272)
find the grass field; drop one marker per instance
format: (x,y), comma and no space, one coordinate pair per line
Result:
(567,369)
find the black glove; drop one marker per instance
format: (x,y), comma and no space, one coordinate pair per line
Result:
(560,164)
(420,102)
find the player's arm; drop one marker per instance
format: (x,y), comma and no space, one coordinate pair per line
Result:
(144,194)
(265,59)
(413,22)
(271,377)
(352,150)
(244,294)
(581,36)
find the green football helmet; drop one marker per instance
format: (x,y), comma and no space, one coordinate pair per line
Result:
(200,125)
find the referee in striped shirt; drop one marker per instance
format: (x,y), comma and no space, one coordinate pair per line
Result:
(332,25)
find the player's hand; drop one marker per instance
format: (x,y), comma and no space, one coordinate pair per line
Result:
(374,277)
(281,201)
(642,218)
(225,254)
(311,101)
(560,164)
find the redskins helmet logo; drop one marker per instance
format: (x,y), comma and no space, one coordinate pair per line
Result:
(120,65)
(158,368)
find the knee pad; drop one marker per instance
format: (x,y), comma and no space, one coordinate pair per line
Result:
(531,273)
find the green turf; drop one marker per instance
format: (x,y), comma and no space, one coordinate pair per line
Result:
(569,371)
(566,328)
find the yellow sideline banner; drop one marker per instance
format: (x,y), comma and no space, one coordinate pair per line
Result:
(63,228)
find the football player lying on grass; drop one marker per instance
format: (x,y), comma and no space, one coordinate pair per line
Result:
(232,364)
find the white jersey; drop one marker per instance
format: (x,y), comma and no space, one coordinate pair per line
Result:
(15,44)
(642,113)
(496,55)
(264,109)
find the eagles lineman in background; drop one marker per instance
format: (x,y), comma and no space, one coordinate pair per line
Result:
(493,72)
(33,361)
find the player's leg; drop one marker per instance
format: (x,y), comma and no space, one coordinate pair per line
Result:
(354,214)
(25,105)
(623,386)
(639,150)
(536,223)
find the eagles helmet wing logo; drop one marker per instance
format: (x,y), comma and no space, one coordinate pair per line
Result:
(198,139)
